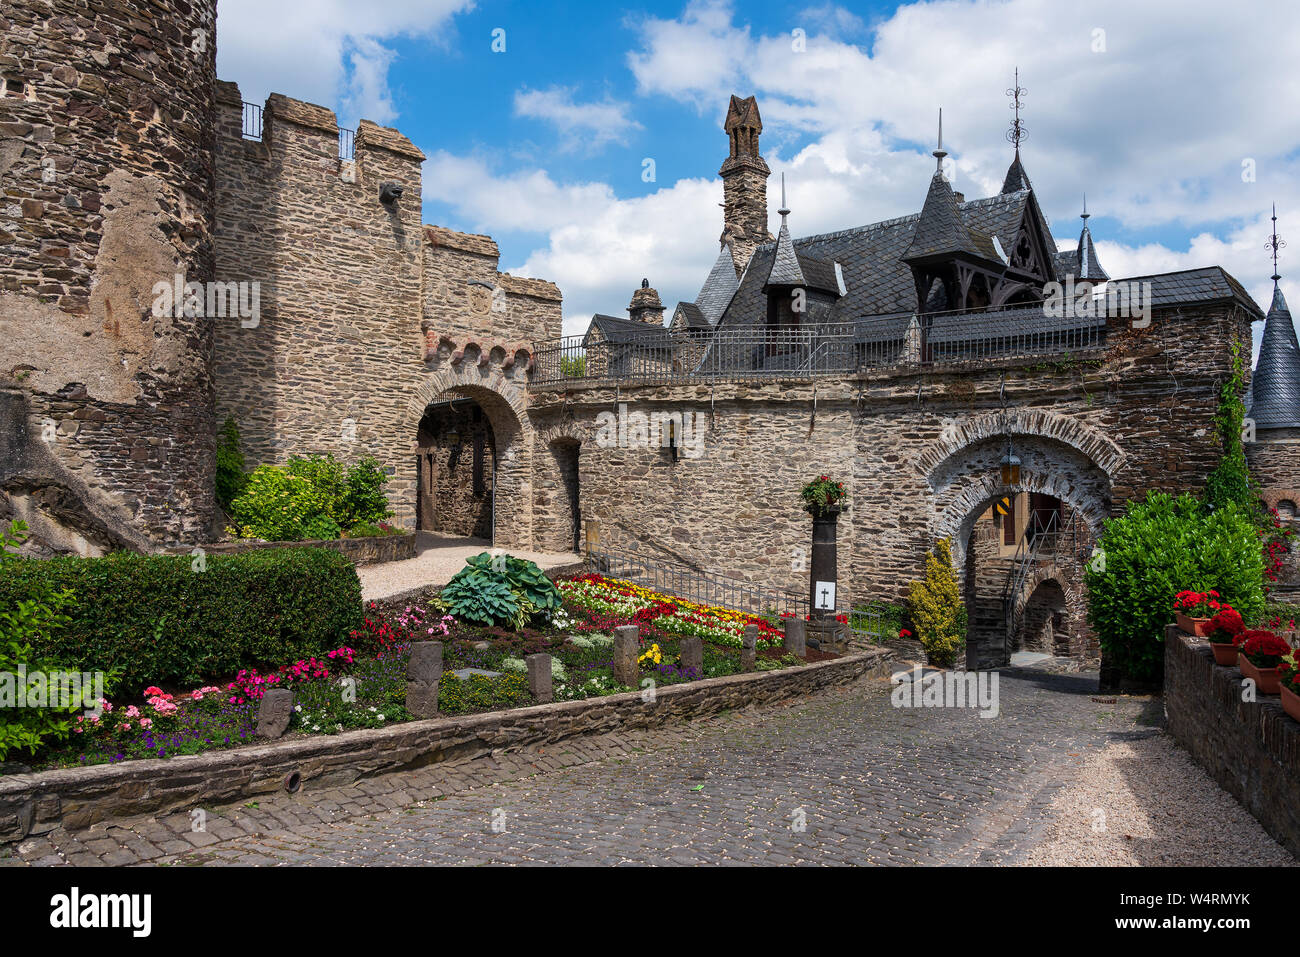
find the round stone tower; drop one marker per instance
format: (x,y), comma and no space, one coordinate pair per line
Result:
(106,149)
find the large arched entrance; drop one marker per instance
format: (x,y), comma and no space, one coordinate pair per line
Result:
(1004,535)
(470,470)
(455,469)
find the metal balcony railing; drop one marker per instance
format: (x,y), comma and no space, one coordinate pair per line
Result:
(827,349)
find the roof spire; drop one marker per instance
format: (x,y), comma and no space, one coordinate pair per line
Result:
(1275,244)
(1017,131)
(784,211)
(1085,214)
(939,152)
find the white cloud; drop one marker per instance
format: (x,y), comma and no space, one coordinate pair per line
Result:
(588,126)
(322,51)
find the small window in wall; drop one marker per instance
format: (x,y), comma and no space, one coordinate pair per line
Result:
(1286,510)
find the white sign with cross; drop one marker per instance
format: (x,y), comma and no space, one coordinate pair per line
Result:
(825,594)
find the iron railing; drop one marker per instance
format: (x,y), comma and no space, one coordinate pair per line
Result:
(252,130)
(1044,538)
(827,349)
(252,122)
(680,580)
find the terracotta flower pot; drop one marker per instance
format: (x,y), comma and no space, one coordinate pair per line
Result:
(1266,679)
(1193,626)
(1291,702)
(1225,652)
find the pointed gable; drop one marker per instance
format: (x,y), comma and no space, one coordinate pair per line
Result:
(1016,178)
(940,229)
(1275,389)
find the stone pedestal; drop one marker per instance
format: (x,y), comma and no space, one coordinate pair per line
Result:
(692,655)
(796,636)
(749,648)
(423,676)
(829,634)
(274,712)
(627,648)
(539,678)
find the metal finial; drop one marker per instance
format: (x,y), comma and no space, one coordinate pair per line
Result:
(1017,133)
(1275,244)
(940,152)
(784,211)
(1085,214)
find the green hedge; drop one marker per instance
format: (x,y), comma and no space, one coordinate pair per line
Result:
(156,620)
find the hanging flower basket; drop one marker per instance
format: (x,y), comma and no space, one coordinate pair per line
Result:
(824,498)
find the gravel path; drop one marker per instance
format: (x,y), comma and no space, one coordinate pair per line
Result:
(437,558)
(1144,802)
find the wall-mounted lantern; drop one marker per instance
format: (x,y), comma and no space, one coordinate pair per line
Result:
(1010,467)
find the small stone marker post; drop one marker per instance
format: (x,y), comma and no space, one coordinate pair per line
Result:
(627,648)
(796,636)
(539,678)
(692,655)
(749,648)
(423,675)
(274,712)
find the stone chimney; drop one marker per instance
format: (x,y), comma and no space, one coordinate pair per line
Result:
(744,183)
(645,306)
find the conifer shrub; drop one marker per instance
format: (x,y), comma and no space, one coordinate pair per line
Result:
(936,607)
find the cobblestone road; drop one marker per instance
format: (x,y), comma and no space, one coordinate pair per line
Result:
(870,783)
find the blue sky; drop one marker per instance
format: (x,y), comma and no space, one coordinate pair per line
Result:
(1154,109)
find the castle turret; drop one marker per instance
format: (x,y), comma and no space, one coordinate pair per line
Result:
(105,357)
(744,183)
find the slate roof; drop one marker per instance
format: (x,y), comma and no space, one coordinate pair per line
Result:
(618,331)
(721,285)
(877,280)
(785,269)
(1016,178)
(1090,268)
(1275,388)
(1207,284)
(693,317)
(940,228)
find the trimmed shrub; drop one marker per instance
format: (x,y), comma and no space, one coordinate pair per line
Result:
(936,607)
(1160,546)
(156,620)
(312,497)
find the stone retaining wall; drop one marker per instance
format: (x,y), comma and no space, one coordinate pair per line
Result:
(1251,748)
(78,797)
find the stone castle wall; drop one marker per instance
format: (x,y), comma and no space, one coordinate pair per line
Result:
(1092,433)
(366,314)
(106,135)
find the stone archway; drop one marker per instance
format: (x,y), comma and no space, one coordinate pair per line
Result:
(557,486)
(963,474)
(502,402)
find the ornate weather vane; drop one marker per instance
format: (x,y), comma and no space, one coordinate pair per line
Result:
(1017,133)
(1274,244)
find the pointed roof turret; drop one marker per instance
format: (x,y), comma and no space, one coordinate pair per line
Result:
(786,270)
(1275,388)
(1087,265)
(940,228)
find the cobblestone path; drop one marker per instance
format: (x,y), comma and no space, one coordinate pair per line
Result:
(842,777)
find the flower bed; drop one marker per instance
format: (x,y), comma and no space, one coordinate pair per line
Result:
(362,683)
(663,614)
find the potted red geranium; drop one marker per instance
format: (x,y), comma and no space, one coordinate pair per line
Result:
(1223,630)
(1194,609)
(1288,675)
(1260,652)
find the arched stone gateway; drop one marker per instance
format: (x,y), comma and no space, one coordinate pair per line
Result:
(502,471)
(1065,465)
